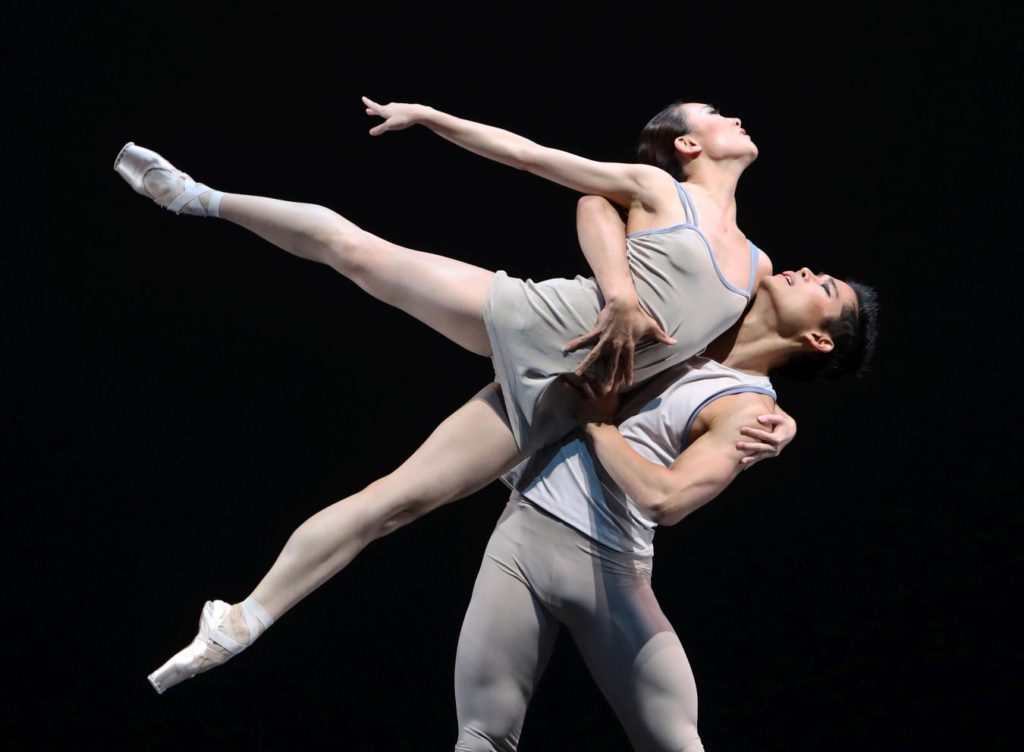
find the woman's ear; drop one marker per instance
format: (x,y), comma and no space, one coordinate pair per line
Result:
(687,147)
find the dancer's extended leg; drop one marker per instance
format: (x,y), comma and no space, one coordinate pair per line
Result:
(471,448)
(468,450)
(446,294)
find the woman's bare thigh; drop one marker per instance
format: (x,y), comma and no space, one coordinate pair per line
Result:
(445,294)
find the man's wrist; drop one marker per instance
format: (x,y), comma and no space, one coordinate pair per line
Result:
(623,300)
(593,426)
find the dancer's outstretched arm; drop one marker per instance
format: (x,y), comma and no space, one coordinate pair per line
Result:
(625,183)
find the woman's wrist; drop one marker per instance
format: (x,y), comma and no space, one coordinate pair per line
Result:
(425,114)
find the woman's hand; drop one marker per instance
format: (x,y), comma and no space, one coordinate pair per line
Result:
(619,328)
(592,407)
(769,443)
(396,115)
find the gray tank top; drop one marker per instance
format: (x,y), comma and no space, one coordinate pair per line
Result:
(678,282)
(565,479)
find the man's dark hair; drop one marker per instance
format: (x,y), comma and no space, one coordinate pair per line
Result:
(657,144)
(853,333)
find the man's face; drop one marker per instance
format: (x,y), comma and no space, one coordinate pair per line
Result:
(802,299)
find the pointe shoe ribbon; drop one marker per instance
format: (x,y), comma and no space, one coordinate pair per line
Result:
(134,162)
(200,655)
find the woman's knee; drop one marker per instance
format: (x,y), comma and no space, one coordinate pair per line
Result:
(407,500)
(349,248)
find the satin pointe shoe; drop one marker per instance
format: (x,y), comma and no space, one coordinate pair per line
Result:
(211,647)
(156,178)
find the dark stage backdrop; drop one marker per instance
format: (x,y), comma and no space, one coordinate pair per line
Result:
(179,395)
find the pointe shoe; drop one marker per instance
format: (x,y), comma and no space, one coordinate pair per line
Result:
(211,647)
(133,163)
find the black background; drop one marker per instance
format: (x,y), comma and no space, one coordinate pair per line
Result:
(179,395)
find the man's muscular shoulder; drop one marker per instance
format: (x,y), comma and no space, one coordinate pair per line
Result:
(731,412)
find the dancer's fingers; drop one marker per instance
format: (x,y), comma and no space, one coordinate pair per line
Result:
(608,382)
(589,360)
(627,355)
(766,436)
(578,342)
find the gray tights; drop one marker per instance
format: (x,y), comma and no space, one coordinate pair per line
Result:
(537,573)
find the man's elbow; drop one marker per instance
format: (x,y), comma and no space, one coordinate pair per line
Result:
(660,509)
(669,509)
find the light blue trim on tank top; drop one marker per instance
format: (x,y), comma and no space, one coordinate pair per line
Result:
(691,214)
(716,395)
(688,206)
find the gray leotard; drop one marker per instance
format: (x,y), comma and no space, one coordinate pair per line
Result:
(678,283)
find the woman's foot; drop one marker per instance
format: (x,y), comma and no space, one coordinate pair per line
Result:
(224,631)
(153,176)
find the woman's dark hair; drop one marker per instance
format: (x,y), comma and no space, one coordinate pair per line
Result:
(657,144)
(853,333)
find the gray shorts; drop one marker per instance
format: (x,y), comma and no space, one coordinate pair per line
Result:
(538,573)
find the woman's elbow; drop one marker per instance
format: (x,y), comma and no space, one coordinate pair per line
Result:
(529,157)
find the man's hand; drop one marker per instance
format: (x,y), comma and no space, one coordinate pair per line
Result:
(620,326)
(769,443)
(592,407)
(396,115)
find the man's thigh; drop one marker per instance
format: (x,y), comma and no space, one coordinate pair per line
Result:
(504,645)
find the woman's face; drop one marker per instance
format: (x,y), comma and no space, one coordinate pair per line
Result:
(719,137)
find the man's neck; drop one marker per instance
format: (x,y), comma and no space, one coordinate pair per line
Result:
(751,345)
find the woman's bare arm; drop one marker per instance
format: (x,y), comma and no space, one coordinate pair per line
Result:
(626,184)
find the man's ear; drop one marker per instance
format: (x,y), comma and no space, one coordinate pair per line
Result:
(687,147)
(819,341)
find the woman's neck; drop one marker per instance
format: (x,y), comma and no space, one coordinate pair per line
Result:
(718,182)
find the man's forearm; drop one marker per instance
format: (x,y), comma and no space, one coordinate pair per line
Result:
(666,495)
(602,236)
(646,483)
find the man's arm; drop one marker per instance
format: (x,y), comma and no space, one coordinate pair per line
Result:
(623,183)
(622,323)
(699,474)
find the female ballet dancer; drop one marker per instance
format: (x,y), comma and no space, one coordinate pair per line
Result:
(693,292)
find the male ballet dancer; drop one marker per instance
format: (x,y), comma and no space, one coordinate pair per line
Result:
(574,545)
